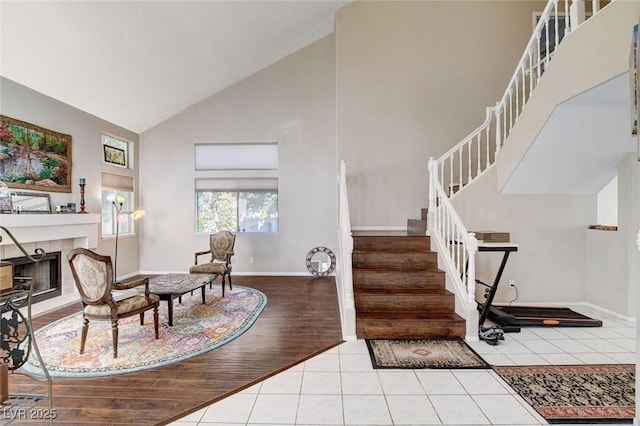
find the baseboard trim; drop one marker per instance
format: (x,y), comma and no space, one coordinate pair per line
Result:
(379,228)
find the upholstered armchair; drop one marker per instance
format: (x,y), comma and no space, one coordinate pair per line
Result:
(221,250)
(93,275)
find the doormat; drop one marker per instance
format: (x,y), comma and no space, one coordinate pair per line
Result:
(423,354)
(576,393)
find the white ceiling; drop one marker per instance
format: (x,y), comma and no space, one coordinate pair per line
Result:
(137,63)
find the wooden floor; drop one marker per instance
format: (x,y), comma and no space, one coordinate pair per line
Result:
(301,319)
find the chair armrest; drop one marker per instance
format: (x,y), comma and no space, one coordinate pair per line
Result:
(200,253)
(132,283)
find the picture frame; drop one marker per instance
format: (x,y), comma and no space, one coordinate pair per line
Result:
(34,158)
(113,155)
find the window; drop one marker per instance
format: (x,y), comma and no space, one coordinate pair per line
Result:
(237,205)
(238,187)
(119,186)
(115,151)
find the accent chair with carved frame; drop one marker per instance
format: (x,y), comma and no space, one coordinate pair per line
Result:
(221,249)
(93,275)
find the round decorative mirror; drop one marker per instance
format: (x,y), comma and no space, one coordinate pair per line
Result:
(321,261)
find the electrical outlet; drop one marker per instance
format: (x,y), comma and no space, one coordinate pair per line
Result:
(251,259)
(512,283)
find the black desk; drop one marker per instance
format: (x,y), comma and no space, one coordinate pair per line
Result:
(506,249)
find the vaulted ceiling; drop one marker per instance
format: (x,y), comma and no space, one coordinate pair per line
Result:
(137,63)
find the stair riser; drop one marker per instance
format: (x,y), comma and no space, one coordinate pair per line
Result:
(397,261)
(402,303)
(395,244)
(378,280)
(407,329)
(416,227)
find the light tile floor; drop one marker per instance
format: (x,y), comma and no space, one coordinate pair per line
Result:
(340,387)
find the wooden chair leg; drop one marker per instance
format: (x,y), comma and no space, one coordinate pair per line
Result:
(114,334)
(230,286)
(155,320)
(83,339)
(222,285)
(141,318)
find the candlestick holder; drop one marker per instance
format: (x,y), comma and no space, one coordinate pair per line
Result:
(82,210)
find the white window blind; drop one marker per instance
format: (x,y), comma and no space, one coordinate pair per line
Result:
(236,184)
(236,156)
(117,182)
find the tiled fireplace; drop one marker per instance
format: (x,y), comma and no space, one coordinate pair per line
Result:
(54,233)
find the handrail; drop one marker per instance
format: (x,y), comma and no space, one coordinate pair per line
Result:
(477,152)
(344,276)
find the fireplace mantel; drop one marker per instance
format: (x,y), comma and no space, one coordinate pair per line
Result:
(52,232)
(29,228)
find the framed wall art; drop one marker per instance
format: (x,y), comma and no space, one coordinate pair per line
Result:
(35,158)
(114,155)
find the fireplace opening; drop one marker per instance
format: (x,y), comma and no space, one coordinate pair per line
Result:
(48,280)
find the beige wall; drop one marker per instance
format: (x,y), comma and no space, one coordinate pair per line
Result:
(549,266)
(408,77)
(22,103)
(291,102)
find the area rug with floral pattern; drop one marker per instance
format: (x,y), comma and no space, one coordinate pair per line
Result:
(576,393)
(406,353)
(197,328)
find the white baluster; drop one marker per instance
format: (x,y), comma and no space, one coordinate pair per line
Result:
(469,178)
(472,248)
(567,22)
(556,13)
(488,138)
(546,40)
(595,6)
(478,170)
(524,87)
(460,169)
(451,176)
(538,58)
(517,97)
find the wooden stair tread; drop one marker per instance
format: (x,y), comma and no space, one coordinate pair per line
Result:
(404,291)
(410,316)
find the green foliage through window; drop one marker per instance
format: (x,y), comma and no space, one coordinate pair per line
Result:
(255,211)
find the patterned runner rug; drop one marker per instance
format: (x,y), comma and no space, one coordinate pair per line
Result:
(576,393)
(423,354)
(197,328)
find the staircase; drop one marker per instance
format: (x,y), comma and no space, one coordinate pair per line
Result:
(399,292)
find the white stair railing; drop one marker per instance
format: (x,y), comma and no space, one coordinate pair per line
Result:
(344,277)
(476,153)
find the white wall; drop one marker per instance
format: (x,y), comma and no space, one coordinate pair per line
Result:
(413,79)
(612,264)
(549,266)
(608,204)
(22,103)
(291,102)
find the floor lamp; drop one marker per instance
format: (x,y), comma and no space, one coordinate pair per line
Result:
(117,201)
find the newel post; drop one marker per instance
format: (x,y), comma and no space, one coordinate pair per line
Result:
(576,14)
(432,194)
